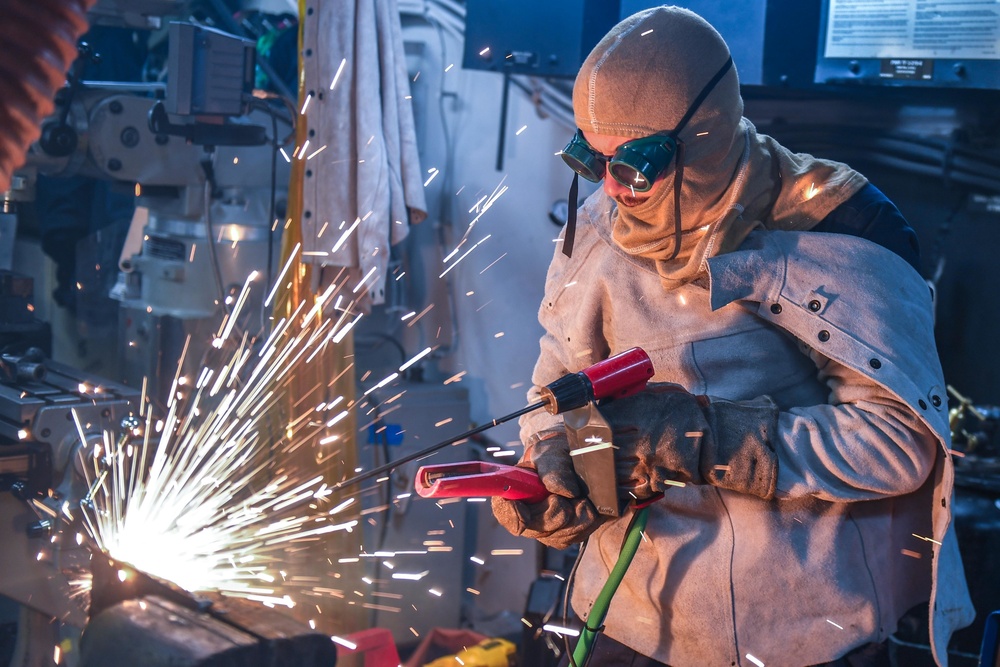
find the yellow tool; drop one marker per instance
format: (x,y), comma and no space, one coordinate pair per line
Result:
(487,653)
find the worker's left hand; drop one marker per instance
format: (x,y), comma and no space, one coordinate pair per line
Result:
(566,516)
(665,435)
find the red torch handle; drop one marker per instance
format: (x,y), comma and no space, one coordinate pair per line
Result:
(621,375)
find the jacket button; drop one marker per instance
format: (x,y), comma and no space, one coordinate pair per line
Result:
(814,305)
(824,335)
(776,308)
(923,406)
(936,401)
(875,363)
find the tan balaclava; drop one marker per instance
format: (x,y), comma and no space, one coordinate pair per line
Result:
(641,79)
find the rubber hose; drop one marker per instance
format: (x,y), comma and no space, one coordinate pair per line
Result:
(39,44)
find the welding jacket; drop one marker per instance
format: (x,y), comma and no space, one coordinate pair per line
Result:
(859,530)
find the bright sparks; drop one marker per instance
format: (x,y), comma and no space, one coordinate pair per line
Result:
(200,504)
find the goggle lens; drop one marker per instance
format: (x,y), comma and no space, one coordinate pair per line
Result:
(583,159)
(629,176)
(636,164)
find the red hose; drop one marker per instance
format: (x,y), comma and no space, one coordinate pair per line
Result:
(39,44)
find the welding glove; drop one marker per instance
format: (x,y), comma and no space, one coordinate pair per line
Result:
(665,434)
(566,516)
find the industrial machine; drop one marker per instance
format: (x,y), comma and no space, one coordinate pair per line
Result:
(52,419)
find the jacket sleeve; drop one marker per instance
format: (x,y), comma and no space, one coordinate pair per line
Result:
(863,444)
(868,327)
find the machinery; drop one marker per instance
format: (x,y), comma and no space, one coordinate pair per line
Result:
(205,169)
(52,417)
(202,155)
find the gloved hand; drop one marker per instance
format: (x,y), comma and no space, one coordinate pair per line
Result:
(665,433)
(566,516)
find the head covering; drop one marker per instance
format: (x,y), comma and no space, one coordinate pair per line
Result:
(641,79)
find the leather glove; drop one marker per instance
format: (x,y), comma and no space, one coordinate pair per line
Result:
(666,434)
(566,516)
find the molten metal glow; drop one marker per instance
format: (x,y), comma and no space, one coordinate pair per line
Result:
(187,504)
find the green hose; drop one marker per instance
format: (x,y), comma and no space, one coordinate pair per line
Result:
(595,619)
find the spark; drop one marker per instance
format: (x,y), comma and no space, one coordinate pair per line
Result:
(433,171)
(926,539)
(343,642)
(560,630)
(590,448)
(811,191)
(522,129)
(455,378)
(839,627)
(343,237)
(643,34)
(415,359)
(484,51)
(192,497)
(337,75)
(755,661)
(316,152)
(305,105)
(478,243)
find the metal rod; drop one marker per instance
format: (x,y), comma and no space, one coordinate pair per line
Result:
(502,141)
(433,448)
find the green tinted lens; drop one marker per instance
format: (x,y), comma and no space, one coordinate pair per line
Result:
(637,164)
(583,159)
(629,176)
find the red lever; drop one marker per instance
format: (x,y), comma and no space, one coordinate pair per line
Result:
(469,479)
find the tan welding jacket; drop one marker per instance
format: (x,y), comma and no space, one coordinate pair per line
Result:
(839,333)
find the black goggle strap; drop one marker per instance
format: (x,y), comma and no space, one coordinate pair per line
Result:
(678,178)
(570,234)
(701,97)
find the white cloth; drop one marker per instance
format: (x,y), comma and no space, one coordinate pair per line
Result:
(368,175)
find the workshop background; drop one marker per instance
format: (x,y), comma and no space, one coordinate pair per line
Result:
(396,168)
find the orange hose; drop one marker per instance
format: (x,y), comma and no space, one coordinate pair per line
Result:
(39,44)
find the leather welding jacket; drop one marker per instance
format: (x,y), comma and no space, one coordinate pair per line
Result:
(838,332)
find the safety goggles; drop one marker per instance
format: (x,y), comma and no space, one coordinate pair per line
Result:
(636,164)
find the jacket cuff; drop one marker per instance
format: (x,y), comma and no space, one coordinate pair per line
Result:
(738,453)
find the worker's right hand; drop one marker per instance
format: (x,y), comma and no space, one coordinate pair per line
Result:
(566,516)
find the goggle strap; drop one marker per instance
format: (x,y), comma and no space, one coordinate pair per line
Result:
(702,95)
(678,178)
(570,234)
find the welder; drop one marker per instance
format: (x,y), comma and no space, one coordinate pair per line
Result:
(797,422)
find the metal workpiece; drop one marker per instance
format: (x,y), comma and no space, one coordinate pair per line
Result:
(156,632)
(137,619)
